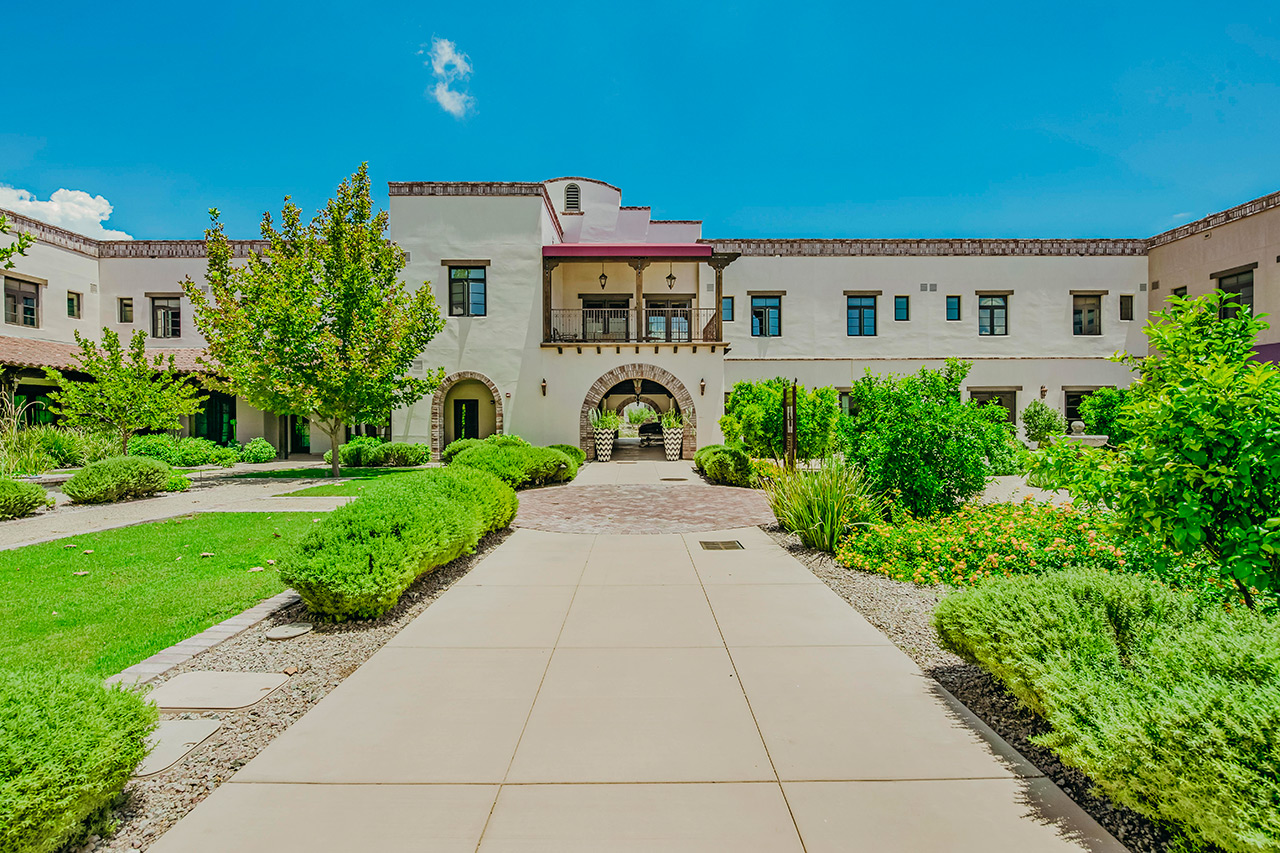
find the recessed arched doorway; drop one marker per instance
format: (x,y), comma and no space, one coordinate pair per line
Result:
(644,381)
(466,405)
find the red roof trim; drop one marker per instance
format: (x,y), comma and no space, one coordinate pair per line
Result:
(627,250)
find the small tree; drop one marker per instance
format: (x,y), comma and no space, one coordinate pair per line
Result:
(1101,410)
(1042,423)
(318,323)
(19,246)
(1201,468)
(755,413)
(126,392)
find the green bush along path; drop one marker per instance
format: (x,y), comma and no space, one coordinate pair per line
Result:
(146,588)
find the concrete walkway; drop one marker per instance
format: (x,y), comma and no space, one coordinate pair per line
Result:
(623,693)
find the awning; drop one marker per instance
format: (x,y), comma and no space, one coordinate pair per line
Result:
(663,251)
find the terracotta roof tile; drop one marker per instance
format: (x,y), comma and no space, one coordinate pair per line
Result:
(28,352)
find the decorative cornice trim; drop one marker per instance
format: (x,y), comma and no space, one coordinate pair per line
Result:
(1213,220)
(172,248)
(465,188)
(931,248)
(52,234)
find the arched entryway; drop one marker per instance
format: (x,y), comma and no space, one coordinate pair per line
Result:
(644,373)
(466,404)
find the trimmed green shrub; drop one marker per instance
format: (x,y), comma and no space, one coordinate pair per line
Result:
(116,479)
(396,455)
(358,560)
(519,465)
(728,466)
(19,499)
(456,447)
(822,505)
(1101,411)
(1042,423)
(1171,707)
(67,747)
(161,446)
(257,451)
(187,452)
(177,482)
(576,453)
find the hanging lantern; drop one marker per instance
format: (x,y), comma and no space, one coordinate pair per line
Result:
(671,278)
(604,279)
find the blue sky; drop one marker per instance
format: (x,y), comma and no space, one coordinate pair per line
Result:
(884,120)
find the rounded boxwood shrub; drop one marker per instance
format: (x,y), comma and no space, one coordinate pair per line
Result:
(354,453)
(19,498)
(396,455)
(719,463)
(257,451)
(116,479)
(190,452)
(360,558)
(572,451)
(161,446)
(519,465)
(67,747)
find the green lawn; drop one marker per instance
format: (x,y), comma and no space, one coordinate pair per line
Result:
(350,487)
(320,473)
(147,588)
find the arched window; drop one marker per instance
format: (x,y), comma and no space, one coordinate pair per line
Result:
(572,197)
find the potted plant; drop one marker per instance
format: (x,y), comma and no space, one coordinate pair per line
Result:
(605,426)
(672,434)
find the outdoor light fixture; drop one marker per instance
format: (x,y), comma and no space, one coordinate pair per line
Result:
(1044,392)
(671,278)
(702,387)
(604,279)
(544,387)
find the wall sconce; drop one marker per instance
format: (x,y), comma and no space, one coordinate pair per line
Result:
(702,387)
(544,387)
(671,278)
(1044,392)
(604,279)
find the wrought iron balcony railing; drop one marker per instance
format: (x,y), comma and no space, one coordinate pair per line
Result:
(622,325)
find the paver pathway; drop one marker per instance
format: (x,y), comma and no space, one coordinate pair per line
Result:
(622,693)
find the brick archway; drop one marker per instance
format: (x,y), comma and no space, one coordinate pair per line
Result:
(647,401)
(684,402)
(437,406)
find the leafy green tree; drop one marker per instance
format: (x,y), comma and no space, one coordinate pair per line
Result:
(126,392)
(1101,412)
(755,412)
(1042,423)
(19,246)
(318,323)
(919,442)
(1202,466)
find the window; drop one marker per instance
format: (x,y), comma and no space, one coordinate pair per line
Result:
(953,307)
(726,309)
(124,309)
(902,307)
(1239,285)
(21,303)
(846,402)
(861,311)
(1006,399)
(1179,291)
(1071,405)
(993,315)
(572,197)
(766,316)
(1086,315)
(1126,307)
(166,317)
(467,292)
(73,304)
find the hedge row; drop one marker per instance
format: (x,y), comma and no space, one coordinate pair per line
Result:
(19,499)
(67,747)
(116,479)
(513,460)
(1169,704)
(369,452)
(358,560)
(719,463)
(186,452)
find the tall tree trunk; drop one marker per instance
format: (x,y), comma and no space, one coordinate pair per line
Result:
(124,442)
(332,429)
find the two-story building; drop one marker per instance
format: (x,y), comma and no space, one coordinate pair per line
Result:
(561,300)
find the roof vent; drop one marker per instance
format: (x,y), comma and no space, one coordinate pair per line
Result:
(572,198)
(1142,287)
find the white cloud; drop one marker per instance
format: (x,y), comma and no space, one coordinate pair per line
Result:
(74,210)
(449,66)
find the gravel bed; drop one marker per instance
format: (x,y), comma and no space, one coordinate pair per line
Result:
(904,612)
(316,662)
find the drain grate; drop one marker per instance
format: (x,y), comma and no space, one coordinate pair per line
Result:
(729,545)
(626,463)
(675,479)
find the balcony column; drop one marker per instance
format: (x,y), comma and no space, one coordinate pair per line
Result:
(638,264)
(548,264)
(718,263)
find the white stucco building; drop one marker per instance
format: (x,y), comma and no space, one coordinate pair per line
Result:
(560,299)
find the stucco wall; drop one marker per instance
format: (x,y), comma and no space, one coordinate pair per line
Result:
(65,271)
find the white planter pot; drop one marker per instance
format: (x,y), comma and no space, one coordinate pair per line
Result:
(604,444)
(673,442)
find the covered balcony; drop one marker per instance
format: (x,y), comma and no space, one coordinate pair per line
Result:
(647,293)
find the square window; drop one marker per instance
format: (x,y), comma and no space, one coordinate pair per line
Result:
(902,307)
(1071,405)
(1086,315)
(21,303)
(1007,400)
(166,317)
(1126,307)
(124,309)
(726,309)
(993,315)
(74,301)
(766,316)
(953,307)
(861,316)
(467,292)
(1239,286)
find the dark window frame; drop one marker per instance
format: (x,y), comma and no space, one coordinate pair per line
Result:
(1126,307)
(1241,285)
(76,299)
(858,310)
(953,300)
(464,304)
(726,316)
(166,316)
(1079,304)
(760,312)
(16,293)
(123,303)
(993,309)
(901,308)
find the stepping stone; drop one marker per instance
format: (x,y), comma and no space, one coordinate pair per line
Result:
(215,691)
(172,741)
(289,631)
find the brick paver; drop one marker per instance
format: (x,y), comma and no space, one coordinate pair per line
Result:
(641,508)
